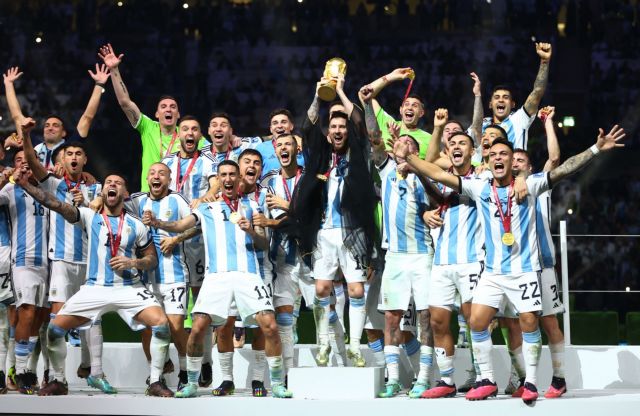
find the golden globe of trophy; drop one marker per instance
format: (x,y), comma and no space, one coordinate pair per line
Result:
(333,68)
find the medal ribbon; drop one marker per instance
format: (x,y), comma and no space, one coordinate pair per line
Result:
(233,207)
(174,135)
(114,239)
(334,163)
(180,183)
(69,187)
(295,183)
(506,219)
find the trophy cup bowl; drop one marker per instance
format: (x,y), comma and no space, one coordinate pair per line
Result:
(333,68)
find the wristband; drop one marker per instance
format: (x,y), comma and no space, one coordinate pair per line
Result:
(99,84)
(594,149)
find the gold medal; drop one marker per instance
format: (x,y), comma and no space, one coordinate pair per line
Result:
(508,239)
(11,179)
(235,217)
(322,177)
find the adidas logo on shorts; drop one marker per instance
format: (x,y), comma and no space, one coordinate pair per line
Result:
(555,305)
(537,302)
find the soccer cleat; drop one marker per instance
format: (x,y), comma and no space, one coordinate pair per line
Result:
(102,384)
(356,358)
(558,388)
(32,379)
(183,380)
(441,389)
(258,389)
(168,367)
(518,391)
(417,390)
(470,383)
(206,375)
(322,356)
(530,393)
(54,388)
(227,388)
(3,383)
(74,338)
(238,337)
(12,385)
(24,384)
(484,389)
(158,389)
(391,389)
(45,379)
(279,391)
(189,390)
(84,372)
(148,380)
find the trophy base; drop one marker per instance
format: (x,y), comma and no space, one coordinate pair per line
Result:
(327,92)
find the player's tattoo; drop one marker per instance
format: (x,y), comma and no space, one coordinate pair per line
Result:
(68,212)
(570,166)
(379,155)
(426,334)
(539,86)
(189,234)
(312,112)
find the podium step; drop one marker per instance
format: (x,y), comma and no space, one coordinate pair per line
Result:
(336,382)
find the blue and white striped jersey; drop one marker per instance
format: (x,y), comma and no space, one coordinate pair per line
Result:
(197,183)
(270,162)
(67,241)
(460,239)
(404,200)
(135,236)
(227,247)
(280,244)
(524,255)
(334,187)
(29,227)
(172,268)
(5,241)
(543,221)
(516,125)
(45,155)
(259,196)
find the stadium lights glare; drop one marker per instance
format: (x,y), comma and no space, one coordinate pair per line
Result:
(38,39)
(560,125)
(294,28)
(185,5)
(300,1)
(120,4)
(570,211)
(628,289)
(569,121)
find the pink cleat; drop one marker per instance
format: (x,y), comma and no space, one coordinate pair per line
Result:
(441,390)
(530,393)
(558,388)
(484,389)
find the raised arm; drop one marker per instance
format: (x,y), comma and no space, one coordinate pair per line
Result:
(68,212)
(540,84)
(39,172)
(424,168)
(478,110)
(112,61)
(439,120)
(314,108)
(378,154)
(178,226)
(101,76)
(346,102)
(379,84)
(577,162)
(553,148)
(12,99)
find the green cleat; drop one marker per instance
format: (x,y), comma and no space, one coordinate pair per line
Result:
(102,384)
(322,357)
(417,390)
(356,358)
(279,391)
(189,390)
(391,389)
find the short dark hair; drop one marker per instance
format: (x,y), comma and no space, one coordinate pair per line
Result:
(338,114)
(417,97)
(524,152)
(167,97)
(67,145)
(335,102)
(252,152)
(188,117)
(118,174)
(462,133)
(498,127)
(279,111)
(228,162)
(413,139)
(504,87)
(53,115)
(456,122)
(16,151)
(221,114)
(505,142)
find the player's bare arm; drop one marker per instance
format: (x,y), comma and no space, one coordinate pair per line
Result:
(148,260)
(553,147)
(112,61)
(101,76)
(378,154)
(167,244)
(179,226)
(68,212)
(424,168)
(542,79)
(10,77)
(39,172)
(478,109)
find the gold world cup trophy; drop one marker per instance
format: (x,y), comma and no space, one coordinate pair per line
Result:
(333,68)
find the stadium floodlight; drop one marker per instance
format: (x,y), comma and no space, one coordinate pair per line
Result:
(569,121)
(570,211)
(185,5)
(120,4)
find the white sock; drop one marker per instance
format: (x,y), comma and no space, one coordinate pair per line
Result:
(557,359)
(357,317)
(341,301)
(426,364)
(260,365)
(336,339)
(57,351)
(226,365)
(159,348)
(531,346)
(34,353)
(392,358)
(208,341)
(95,341)
(11,354)
(517,361)
(85,353)
(276,370)
(321,316)
(482,346)
(377,348)
(286,339)
(193,369)
(445,364)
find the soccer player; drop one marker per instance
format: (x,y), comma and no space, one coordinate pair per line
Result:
(68,248)
(54,132)
(551,303)
(512,251)
(168,280)
(280,122)
(119,248)
(6,290)
(231,242)
(409,252)
(411,110)
(517,123)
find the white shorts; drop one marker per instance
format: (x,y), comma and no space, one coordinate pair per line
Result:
(93,301)
(172,296)
(375,315)
(551,302)
(291,280)
(30,284)
(6,288)
(521,291)
(219,290)
(404,276)
(195,259)
(447,281)
(66,279)
(331,256)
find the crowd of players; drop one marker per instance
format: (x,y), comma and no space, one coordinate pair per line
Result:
(411,224)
